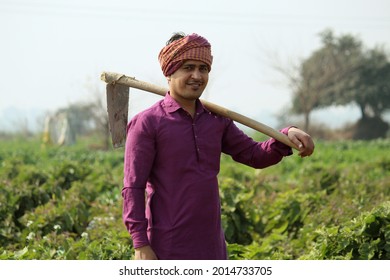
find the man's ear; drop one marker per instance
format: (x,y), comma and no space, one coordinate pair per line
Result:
(168,78)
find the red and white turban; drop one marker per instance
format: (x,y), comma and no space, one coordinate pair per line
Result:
(190,47)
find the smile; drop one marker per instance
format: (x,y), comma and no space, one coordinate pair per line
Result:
(195,84)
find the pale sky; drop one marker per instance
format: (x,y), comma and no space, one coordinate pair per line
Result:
(53,51)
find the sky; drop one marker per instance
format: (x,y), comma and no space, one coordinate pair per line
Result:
(52,52)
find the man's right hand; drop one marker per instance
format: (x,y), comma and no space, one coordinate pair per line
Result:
(145,253)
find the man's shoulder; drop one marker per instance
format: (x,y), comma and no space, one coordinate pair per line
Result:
(146,120)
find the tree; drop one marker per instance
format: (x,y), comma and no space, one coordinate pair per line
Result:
(324,75)
(342,72)
(372,92)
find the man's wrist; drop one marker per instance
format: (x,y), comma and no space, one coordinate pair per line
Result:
(141,248)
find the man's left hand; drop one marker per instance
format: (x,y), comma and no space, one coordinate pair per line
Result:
(302,140)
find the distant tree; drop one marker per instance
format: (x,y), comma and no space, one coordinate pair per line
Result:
(360,77)
(372,89)
(342,72)
(324,76)
(320,80)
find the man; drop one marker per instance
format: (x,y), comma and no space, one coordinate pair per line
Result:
(173,154)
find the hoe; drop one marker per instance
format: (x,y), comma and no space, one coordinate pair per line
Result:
(118,101)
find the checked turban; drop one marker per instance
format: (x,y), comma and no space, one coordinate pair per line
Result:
(190,47)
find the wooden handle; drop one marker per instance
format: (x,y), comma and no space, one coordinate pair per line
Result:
(110,77)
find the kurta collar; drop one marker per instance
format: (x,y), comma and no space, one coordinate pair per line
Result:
(171,105)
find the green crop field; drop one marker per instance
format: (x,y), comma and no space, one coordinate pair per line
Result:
(65,203)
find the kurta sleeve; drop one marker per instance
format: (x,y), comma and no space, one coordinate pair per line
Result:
(138,161)
(245,150)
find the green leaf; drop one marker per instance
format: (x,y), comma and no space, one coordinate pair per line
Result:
(19,254)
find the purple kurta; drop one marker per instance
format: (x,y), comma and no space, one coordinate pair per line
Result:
(176,159)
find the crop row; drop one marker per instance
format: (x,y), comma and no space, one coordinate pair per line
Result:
(65,203)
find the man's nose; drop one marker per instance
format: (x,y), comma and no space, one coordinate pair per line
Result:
(196,74)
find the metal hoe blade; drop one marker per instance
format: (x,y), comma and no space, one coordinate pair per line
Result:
(117,108)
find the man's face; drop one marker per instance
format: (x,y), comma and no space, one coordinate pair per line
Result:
(189,81)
